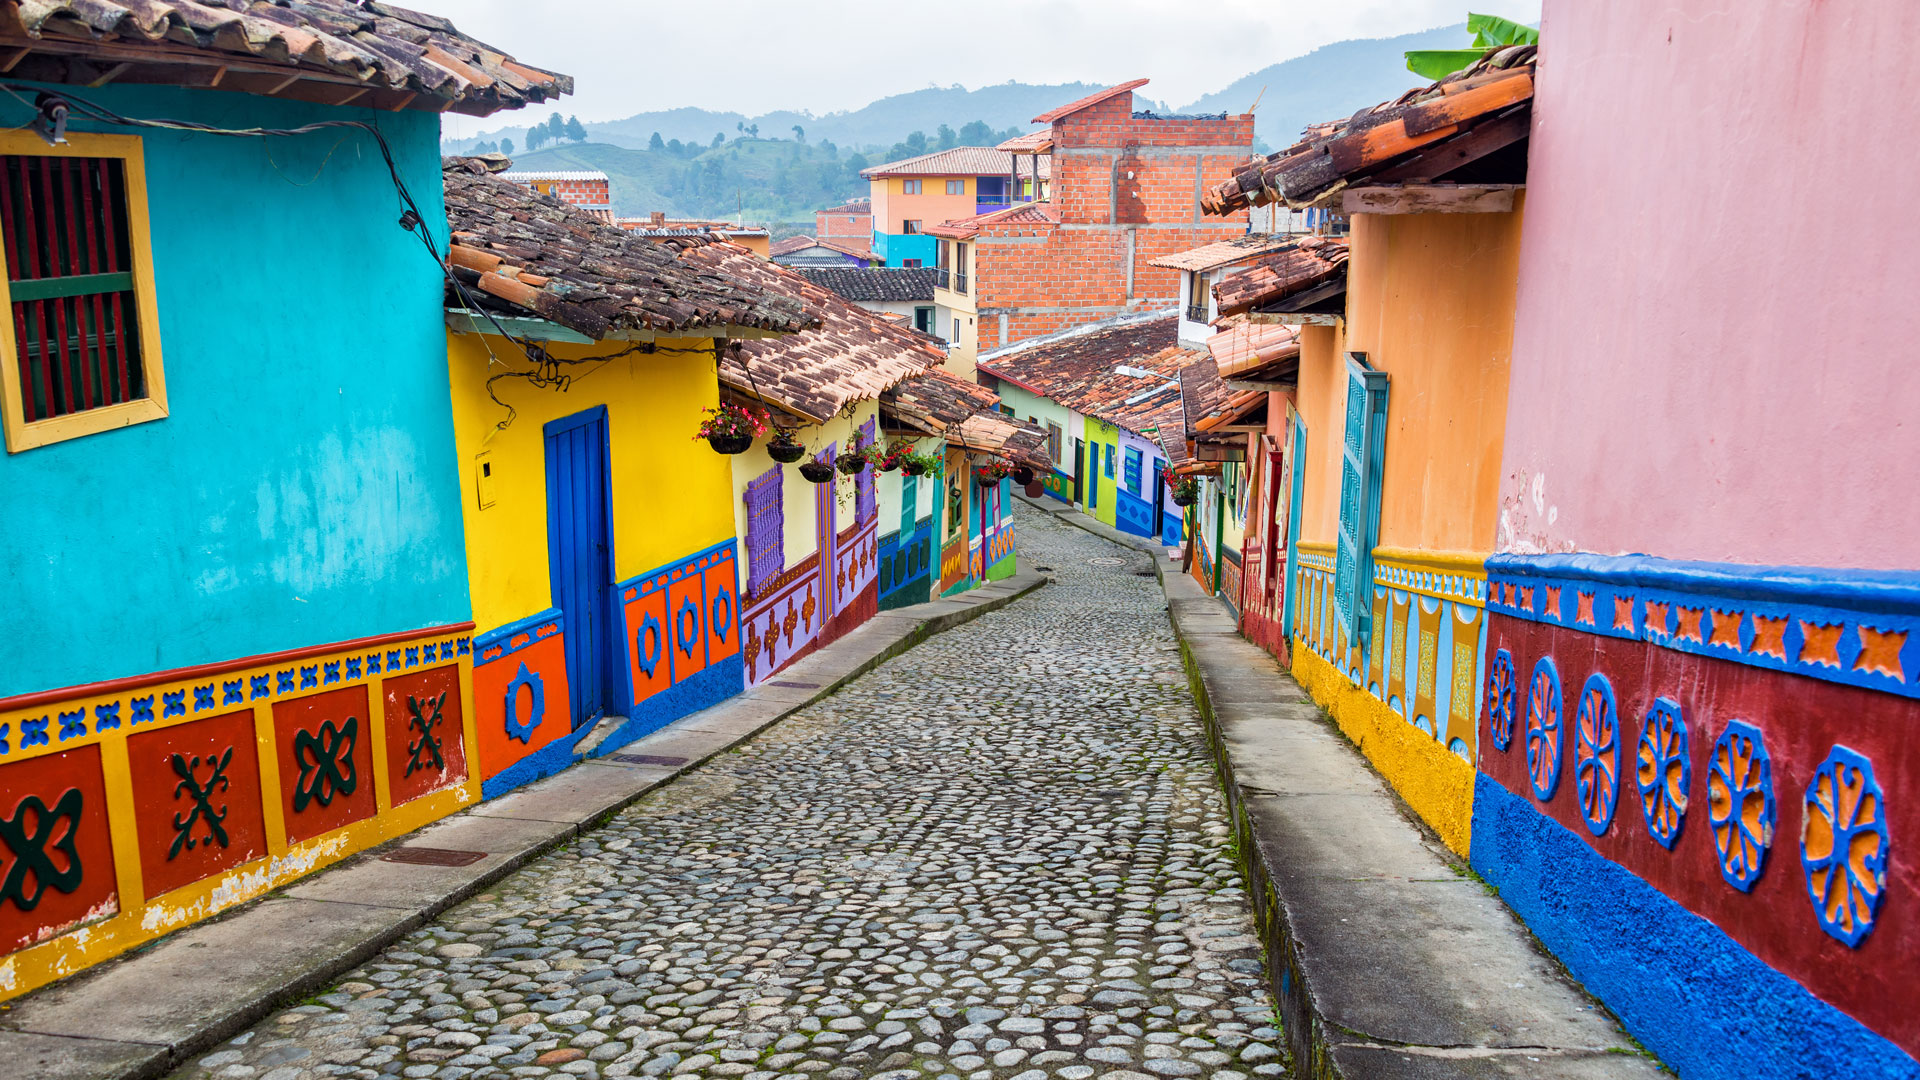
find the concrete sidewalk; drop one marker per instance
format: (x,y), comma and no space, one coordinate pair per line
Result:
(148,1012)
(1388,959)
(1095,526)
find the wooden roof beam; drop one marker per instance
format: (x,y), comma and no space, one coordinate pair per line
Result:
(1430,199)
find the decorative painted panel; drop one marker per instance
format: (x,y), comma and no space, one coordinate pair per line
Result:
(766,529)
(58,847)
(905,566)
(426,740)
(521,699)
(864,508)
(324,745)
(1133,514)
(856,558)
(784,625)
(681,629)
(197,789)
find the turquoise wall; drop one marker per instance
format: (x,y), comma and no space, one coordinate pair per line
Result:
(894,249)
(303,489)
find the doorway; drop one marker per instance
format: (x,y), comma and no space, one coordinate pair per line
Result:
(580,555)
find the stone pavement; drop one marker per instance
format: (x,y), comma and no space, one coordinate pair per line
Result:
(1001,855)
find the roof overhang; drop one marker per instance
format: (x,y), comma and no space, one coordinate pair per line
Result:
(528,328)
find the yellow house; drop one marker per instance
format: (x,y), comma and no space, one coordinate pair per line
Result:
(599,528)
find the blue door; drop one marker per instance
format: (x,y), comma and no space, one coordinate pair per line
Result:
(580,555)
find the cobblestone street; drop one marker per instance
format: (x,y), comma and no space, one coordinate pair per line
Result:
(1002,854)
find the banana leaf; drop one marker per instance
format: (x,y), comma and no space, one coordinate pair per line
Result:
(1490,31)
(1437,64)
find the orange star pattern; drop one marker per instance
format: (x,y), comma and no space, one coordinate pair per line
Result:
(1689,624)
(1623,613)
(1726,629)
(1656,622)
(1770,637)
(1880,651)
(1584,612)
(1553,602)
(1822,644)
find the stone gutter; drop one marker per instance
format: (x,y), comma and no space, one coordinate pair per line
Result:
(150,1011)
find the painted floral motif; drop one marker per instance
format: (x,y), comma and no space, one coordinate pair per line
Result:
(1544,731)
(1501,691)
(1843,844)
(1596,754)
(1740,803)
(1665,771)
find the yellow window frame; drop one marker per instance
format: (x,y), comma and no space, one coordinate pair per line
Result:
(21,435)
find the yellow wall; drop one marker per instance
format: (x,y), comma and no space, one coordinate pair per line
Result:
(796,493)
(670,492)
(1430,299)
(759,245)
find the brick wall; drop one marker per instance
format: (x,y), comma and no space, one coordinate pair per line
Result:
(577,192)
(1114,178)
(837,227)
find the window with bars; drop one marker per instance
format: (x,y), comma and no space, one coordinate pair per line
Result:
(1134,458)
(1053,441)
(864,509)
(766,530)
(83,352)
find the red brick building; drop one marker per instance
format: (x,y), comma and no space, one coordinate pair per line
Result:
(1125,191)
(849,224)
(587,189)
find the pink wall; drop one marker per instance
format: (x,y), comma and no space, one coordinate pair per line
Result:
(1719,310)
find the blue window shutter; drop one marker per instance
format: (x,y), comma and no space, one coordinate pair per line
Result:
(1362,448)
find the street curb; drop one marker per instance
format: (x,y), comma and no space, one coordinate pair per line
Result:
(64,1032)
(1275,751)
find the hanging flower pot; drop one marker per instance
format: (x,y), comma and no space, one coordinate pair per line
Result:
(1036,489)
(985,481)
(1023,475)
(784,449)
(817,472)
(911,467)
(992,471)
(1185,491)
(853,464)
(731,429)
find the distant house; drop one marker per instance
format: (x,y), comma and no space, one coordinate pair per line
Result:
(905,292)
(850,223)
(910,195)
(798,251)
(1202,267)
(657,226)
(588,189)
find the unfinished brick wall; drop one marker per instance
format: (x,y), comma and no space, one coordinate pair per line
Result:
(858,230)
(1126,191)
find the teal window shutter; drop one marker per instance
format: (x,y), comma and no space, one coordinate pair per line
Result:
(1362,449)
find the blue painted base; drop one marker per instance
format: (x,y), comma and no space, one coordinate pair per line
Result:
(1132,514)
(710,687)
(1707,1007)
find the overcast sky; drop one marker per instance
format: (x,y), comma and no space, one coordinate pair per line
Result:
(754,56)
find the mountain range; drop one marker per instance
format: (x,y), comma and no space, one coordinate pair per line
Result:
(1327,83)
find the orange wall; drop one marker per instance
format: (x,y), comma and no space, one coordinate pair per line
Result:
(931,207)
(1430,300)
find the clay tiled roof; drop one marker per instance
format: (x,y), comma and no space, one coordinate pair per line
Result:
(361,52)
(959,161)
(1496,88)
(1298,266)
(966,228)
(853,206)
(654,227)
(1033,142)
(1256,351)
(530,254)
(793,244)
(963,413)
(875,284)
(1202,393)
(1171,430)
(527,176)
(853,355)
(1224,253)
(1071,107)
(1120,373)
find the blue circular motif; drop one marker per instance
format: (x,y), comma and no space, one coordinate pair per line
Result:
(1843,845)
(536,713)
(1501,690)
(1740,803)
(687,626)
(1596,754)
(1665,771)
(720,614)
(1545,735)
(648,657)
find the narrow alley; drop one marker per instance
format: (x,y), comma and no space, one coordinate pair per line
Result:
(1000,854)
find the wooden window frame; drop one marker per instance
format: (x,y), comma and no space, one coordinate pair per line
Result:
(956,187)
(909,187)
(22,435)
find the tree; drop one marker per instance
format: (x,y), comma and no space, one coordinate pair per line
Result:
(556,127)
(1489,32)
(656,143)
(718,138)
(506,146)
(537,136)
(976,133)
(753,131)
(575,130)
(799,133)
(947,138)
(675,148)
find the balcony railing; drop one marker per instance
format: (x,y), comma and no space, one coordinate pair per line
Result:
(940,276)
(1196,313)
(959,282)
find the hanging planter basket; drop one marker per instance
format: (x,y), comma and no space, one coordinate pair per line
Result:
(1183,500)
(730,444)
(985,480)
(1023,476)
(817,472)
(912,468)
(852,464)
(1036,489)
(785,450)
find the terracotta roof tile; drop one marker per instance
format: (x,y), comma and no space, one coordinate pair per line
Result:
(1224,253)
(963,413)
(1497,86)
(1096,98)
(794,244)
(959,161)
(966,228)
(1299,265)
(877,284)
(525,253)
(1122,373)
(358,43)
(1202,393)
(853,355)
(1033,142)
(1256,350)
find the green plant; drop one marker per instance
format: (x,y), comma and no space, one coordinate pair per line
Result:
(734,420)
(1489,32)
(994,468)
